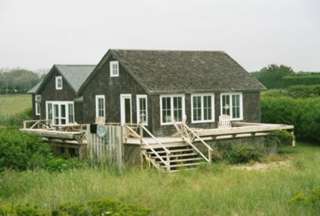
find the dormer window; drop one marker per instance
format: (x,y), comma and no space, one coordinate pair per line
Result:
(114,68)
(58,82)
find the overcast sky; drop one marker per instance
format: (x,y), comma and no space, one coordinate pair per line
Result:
(38,33)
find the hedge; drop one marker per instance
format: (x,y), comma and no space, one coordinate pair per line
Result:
(303,113)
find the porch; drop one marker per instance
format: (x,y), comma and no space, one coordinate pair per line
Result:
(135,144)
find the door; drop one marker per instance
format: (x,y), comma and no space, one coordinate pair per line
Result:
(125,109)
(60,113)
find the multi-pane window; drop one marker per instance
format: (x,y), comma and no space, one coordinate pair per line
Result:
(202,108)
(114,68)
(59,82)
(60,112)
(171,109)
(231,104)
(142,109)
(100,106)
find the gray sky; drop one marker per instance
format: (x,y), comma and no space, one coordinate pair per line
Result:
(38,33)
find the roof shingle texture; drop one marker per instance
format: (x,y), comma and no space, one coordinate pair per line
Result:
(186,71)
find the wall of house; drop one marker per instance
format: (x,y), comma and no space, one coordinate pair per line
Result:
(251,112)
(111,87)
(49,92)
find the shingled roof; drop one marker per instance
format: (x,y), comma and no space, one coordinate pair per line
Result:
(75,75)
(186,71)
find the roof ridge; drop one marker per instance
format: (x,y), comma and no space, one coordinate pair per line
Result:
(75,64)
(170,50)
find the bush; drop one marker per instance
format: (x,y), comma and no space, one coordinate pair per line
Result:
(242,153)
(304,91)
(101,207)
(22,151)
(281,138)
(304,114)
(311,197)
(301,79)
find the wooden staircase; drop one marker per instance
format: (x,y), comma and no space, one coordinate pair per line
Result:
(169,156)
(181,156)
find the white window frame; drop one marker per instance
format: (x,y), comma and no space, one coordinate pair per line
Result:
(66,103)
(37,104)
(57,82)
(231,105)
(97,107)
(138,97)
(172,108)
(111,64)
(202,108)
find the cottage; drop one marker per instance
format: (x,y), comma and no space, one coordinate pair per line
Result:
(155,87)
(168,108)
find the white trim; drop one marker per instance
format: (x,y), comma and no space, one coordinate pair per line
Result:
(97,106)
(122,108)
(37,105)
(59,103)
(171,96)
(202,108)
(231,105)
(138,97)
(111,64)
(56,82)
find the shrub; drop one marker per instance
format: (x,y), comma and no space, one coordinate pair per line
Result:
(301,79)
(303,91)
(55,164)
(304,114)
(101,207)
(282,138)
(22,151)
(242,153)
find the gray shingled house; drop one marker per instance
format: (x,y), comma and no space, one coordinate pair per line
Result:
(55,97)
(154,87)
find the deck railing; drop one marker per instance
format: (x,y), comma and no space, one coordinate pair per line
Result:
(189,136)
(143,129)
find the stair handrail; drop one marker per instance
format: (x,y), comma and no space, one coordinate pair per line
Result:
(166,163)
(185,127)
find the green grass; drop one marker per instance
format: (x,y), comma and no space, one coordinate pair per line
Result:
(215,190)
(13,104)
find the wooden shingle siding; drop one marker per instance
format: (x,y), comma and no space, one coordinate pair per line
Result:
(102,84)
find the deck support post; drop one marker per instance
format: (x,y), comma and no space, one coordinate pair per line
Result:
(293,139)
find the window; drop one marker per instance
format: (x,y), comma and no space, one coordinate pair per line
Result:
(58,82)
(100,106)
(202,108)
(231,104)
(142,109)
(114,68)
(60,112)
(171,109)
(37,105)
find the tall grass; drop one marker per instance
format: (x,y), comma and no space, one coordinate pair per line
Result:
(215,190)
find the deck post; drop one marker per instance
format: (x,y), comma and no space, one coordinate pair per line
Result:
(293,139)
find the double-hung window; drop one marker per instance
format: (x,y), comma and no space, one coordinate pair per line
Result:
(231,105)
(202,108)
(114,68)
(100,106)
(142,109)
(59,82)
(172,109)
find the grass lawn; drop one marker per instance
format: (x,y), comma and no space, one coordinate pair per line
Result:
(215,190)
(13,104)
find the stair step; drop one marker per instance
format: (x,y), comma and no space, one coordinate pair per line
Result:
(172,151)
(176,155)
(185,165)
(186,160)
(167,145)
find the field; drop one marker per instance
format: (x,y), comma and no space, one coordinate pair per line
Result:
(220,189)
(13,104)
